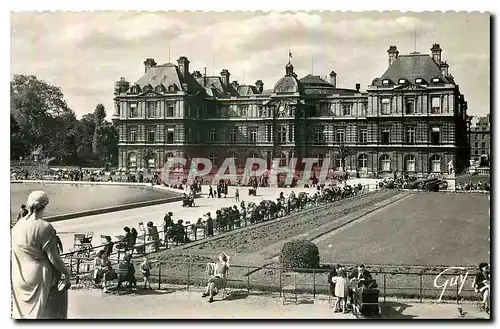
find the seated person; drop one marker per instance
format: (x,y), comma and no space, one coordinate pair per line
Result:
(108,247)
(103,270)
(482,284)
(126,272)
(153,235)
(217,279)
(125,243)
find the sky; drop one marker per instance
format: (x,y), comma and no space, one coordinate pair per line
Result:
(85,53)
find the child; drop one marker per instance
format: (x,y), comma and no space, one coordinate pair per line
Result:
(341,291)
(146,268)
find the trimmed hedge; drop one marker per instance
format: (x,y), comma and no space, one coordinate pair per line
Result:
(299,254)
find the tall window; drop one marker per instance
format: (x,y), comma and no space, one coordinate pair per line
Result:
(338,163)
(213,158)
(212,136)
(410,105)
(436,105)
(170,110)
(151,109)
(346,109)
(410,135)
(363,135)
(170,135)
(151,135)
(320,157)
(436,163)
(318,135)
(282,160)
(385,136)
(269,132)
(132,110)
(476,144)
(435,135)
(386,106)
(243,110)
(281,135)
(132,160)
(340,134)
(364,109)
(385,163)
(232,135)
(483,145)
(410,163)
(253,135)
(363,162)
(133,135)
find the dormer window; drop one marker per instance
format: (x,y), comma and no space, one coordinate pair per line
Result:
(172,88)
(159,89)
(386,82)
(147,88)
(402,81)
(419,81)
(436,80)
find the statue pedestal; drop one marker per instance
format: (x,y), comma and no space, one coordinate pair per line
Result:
(451,180)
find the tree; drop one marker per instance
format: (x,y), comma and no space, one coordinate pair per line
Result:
(343,152)
(99,116)
(43,118)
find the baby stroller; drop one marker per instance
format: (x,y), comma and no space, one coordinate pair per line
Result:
(365,300)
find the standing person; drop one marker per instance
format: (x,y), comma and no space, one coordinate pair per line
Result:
(36,266)
(237,195)
(210,225)
(218,190)
(210,192)
(146,272)
(341,291)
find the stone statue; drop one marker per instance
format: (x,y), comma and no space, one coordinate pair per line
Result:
(451,168)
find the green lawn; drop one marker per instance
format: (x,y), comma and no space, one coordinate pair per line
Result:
(426,228)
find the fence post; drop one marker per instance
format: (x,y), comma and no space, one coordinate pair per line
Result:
(188,276)
(281,281)
(314,284)
(458,297)
(420,290)
(248,280)
(159,276)
(385,283)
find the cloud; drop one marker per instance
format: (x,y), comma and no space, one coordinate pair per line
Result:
(84,53)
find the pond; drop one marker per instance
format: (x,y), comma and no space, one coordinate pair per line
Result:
(69,198)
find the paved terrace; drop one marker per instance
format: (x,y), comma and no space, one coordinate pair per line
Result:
(177,303)
(114,222)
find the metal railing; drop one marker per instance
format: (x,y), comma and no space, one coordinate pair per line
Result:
(393,281)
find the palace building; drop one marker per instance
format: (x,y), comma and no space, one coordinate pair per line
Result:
(411,119)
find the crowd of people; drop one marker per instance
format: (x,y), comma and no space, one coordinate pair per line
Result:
(470,186)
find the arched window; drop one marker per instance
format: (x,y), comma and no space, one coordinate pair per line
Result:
(148,88)
(410,163)
(282,160)
(132,160)
(385,163)
(363,162)
(152,161)
(160,89)
(435,163)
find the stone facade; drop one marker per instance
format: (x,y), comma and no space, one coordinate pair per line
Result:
(480,140)
(404,122)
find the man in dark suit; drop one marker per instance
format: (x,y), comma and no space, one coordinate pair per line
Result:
(360,274)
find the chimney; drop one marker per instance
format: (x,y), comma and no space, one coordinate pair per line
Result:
(225,77)
(149,63)
(358,86)
(235,84)
(436,53)
(444,68)
(196,74)
(183,64)
(333,79)
(260,86)
(393,54)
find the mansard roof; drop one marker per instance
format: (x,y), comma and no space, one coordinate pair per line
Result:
(167,75)
(412,67)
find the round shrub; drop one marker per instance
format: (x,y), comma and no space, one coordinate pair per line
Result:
(299,254)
